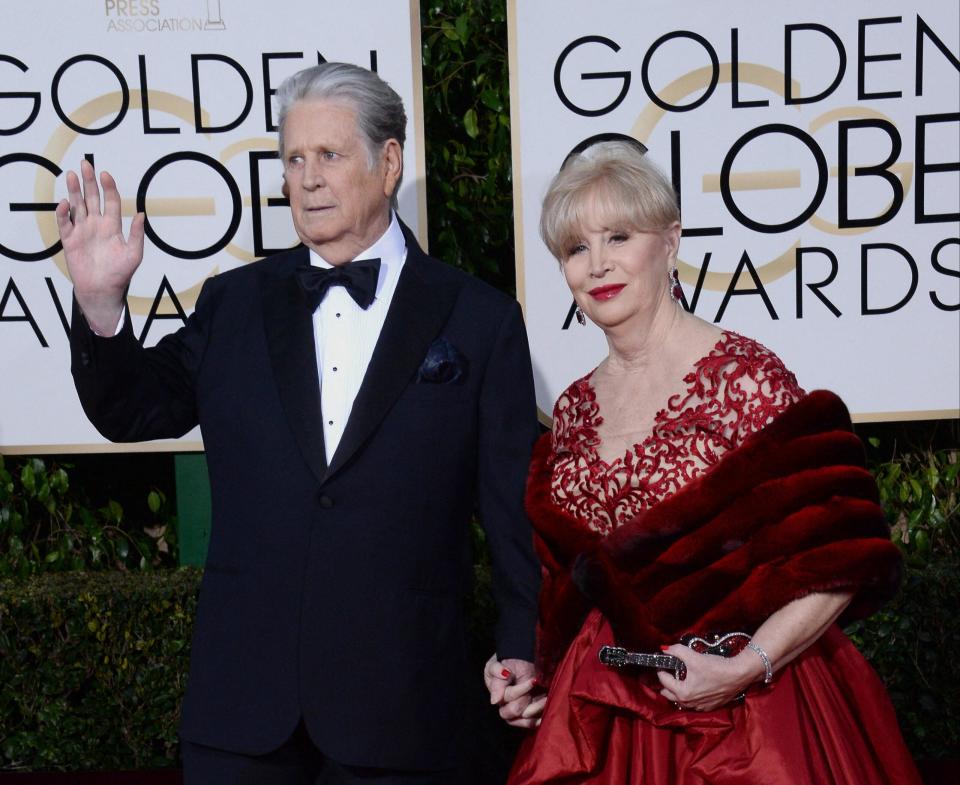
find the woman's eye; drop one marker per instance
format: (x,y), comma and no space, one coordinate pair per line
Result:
(575,249)
(619,237)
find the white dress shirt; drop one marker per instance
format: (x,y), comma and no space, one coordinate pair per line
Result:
(346,335)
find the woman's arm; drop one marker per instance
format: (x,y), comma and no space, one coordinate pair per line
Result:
(713,681)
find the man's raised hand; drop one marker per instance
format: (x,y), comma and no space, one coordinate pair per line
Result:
(101,262)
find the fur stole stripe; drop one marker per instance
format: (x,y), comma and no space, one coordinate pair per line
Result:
(791,511)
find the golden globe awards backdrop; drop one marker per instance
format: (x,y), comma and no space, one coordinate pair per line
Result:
(173,97)
(816,149)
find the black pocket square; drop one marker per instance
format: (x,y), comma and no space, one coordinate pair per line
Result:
(444,364)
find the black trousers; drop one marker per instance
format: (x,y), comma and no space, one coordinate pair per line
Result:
(297,762)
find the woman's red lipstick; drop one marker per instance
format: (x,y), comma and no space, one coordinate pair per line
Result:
(606,292)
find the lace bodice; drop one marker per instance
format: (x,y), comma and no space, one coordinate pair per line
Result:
(731,392)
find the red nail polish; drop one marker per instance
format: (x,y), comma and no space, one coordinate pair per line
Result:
(505,673)
(664,648)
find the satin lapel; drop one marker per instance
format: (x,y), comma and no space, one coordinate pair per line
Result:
(417,314)
(293,354)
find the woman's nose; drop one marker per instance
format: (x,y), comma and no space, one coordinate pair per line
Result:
(599,263)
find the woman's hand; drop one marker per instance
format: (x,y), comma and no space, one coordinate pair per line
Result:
(512,685)
(712,681)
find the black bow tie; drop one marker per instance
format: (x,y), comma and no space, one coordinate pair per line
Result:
(359,278)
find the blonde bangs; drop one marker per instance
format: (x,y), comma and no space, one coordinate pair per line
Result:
(614,186)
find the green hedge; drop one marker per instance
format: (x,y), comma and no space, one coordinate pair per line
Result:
(92,669)
(913,641)
(48,525)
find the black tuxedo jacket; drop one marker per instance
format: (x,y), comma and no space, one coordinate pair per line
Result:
(335,593)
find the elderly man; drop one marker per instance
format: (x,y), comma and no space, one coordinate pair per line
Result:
(358,400)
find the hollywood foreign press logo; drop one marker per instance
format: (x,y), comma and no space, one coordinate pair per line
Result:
(163,16)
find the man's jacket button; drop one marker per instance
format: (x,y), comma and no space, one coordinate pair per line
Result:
(326,502)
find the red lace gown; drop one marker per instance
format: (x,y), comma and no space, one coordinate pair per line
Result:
(826,718)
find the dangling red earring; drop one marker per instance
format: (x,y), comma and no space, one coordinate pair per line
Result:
(673,280)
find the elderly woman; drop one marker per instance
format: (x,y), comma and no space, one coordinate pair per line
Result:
(690,486)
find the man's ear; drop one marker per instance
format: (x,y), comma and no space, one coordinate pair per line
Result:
(391,162)
(285,188)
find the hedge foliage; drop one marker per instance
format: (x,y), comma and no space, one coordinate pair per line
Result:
(467,119)
(912,641)
(92,669)
(46,525)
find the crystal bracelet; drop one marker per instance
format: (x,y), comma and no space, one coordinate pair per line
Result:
(767,667)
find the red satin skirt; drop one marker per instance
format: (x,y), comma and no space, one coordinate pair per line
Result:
(825,720)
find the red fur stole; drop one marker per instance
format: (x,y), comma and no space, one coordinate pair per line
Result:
(789,512)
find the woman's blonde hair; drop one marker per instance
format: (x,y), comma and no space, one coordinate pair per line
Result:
(614,181)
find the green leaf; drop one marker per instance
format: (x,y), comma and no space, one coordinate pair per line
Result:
(450,32)
(463,27)
(917,490)
(470,124)
(492,100)
(28,478)
(153,502)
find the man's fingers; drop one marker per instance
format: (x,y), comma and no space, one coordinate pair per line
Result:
(64,224)
(514,709)
(78,210)
(135,241)
(91,192)
(535,709)
(514,691)
(524,723)
(111,197)
(497,688)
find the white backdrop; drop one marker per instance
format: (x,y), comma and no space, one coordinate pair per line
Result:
(73,82)
(753,107)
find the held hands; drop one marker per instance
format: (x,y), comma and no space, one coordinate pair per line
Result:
(101,262)
(712,681)
(513,687)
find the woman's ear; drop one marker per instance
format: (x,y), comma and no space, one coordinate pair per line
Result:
(671,236)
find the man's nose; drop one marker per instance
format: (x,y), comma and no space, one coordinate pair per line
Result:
(313,174)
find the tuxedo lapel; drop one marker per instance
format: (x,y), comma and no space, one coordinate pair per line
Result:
(293,355)
(418,311)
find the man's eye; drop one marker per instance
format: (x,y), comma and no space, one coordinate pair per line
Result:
(329,155)
(295,160)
